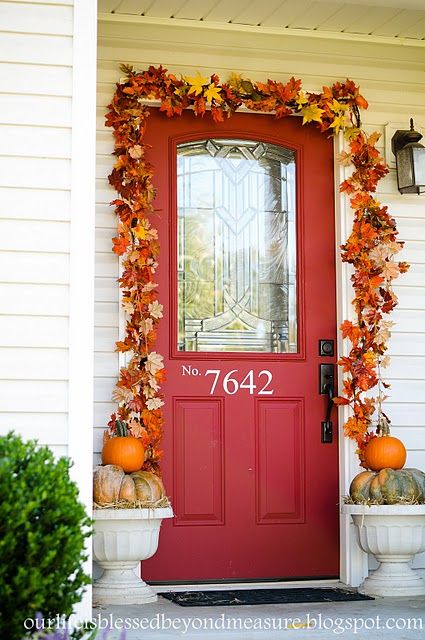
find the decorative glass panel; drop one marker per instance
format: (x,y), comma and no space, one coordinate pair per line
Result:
(236,247)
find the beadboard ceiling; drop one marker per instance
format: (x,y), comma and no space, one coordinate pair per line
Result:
(398,19)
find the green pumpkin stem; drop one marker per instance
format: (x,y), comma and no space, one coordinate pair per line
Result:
(383,426)
(121,428)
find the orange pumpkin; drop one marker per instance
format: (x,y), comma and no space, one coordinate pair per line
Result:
(125,451)
(111,485)
(385,452)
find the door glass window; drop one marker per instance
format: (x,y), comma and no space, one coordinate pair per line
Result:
(236,247)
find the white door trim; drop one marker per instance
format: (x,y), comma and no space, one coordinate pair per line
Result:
(353,561)
(82,248)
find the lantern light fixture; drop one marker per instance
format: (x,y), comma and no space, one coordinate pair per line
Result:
(410,160)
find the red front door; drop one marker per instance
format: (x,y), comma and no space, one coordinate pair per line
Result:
(247,279)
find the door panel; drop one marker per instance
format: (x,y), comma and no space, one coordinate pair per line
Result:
(255,492)
(199,489)
(279,487)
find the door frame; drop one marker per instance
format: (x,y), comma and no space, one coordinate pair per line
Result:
(353,561)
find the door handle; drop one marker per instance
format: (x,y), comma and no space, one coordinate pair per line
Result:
(326,387)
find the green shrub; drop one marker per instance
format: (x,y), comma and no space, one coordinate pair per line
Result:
(43,528)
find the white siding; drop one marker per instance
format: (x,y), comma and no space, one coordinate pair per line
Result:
(35,180)
(47,111)
(391,78)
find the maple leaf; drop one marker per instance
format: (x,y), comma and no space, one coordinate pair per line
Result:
(149,286)
(196,83)
(128,306)
(379,254)
(354,427)
(199,106)
(154,403)
(282,110)
(344,158)
(267,88)
(373,138)
(375,281)
(155,309)
(301,100)
(385,362)
(143,230)
(340,401)
(394,247)
(312,113)
(390,270)
(361,102)
(122,347)
(235,82)
(136,404)
(217,114)
(120,245)
(336,106)
(213,93)
(369,358)
(153,384)
(154,362)
(290,90)
(122,395)
(137,431)
(146,325)
(136,152)
(340,122)
(351,331)
(149,391)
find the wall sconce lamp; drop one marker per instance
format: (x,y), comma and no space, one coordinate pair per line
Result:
(410,160)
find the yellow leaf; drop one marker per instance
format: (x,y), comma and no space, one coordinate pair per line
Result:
(235,81)
(213,93)
(339,123)
(336,106)
(197,83)
(301,100)
(140,232)
(311,112)
(351,132)
(369,357)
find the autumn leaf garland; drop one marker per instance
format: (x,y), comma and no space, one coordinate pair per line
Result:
(371,247)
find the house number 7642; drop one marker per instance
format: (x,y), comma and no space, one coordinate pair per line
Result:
(233,381)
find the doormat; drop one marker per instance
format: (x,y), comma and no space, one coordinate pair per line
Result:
(261,596)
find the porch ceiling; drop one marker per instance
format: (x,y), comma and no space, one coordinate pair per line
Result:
(396,19)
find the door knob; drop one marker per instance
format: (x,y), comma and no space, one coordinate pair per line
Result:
(326,387)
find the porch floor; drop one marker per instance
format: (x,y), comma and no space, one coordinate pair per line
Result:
(398,618)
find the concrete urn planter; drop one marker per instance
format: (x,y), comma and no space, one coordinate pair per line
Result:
(393,534)
(121,539)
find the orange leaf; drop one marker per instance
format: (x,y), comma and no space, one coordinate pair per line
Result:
(120,245)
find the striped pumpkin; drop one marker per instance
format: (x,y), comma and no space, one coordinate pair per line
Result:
(389,486)
(112,485)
